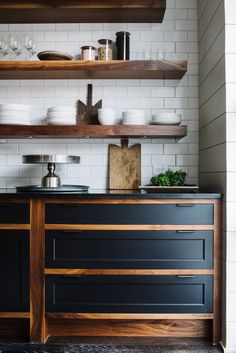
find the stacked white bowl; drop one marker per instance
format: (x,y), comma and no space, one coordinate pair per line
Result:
(133,117)
(61,115)
(166,119)
(15,114)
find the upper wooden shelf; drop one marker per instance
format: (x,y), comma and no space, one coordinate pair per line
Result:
(78,69)
(95,131)
(84,11)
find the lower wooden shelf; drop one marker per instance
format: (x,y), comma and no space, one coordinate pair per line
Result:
(96,131)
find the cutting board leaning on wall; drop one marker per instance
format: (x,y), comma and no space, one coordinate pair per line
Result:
(124,166)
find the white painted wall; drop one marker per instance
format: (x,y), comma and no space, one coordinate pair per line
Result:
(178,34)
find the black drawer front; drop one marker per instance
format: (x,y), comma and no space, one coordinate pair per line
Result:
(14,271)
(129,249)
(129,214)
(129,294)
(14,213)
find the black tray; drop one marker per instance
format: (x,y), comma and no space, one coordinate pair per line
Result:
(63,188)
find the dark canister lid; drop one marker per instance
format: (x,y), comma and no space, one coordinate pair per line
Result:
(88,47)
(122,33)
(105,41)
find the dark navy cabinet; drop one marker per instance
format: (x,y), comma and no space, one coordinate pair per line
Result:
(14,270)
(129,294)
(118,249)
(14,213)
(130,214)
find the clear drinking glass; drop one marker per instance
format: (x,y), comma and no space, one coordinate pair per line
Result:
(14,42)
(28,43)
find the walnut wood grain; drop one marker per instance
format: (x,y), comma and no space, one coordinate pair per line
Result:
(16,315)
(126,227)
(217,305)
(96,316)
(157,201)
(98,131)
(63,271)
(70,11)
(157,328)
(37,286)
(15,226)
(81,69)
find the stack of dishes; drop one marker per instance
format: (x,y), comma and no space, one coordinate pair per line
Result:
(133,117)
(15,114)
(166,119)
(61,115)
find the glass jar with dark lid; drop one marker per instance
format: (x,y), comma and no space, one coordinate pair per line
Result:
(123,45)
(88,52)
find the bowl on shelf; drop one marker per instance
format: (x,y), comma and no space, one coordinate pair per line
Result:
(106,116)
(166,119)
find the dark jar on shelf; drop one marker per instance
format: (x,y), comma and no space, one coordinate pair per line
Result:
(123,45)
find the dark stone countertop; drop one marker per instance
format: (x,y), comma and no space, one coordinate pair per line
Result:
(108,194)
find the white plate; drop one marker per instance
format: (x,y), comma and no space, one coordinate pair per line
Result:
(17,107)
(14,115)
(61,109)
(61,122)
(8,122)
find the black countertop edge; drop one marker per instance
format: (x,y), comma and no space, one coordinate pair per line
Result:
(109,194)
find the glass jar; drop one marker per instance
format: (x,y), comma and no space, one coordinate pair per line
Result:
(105,51)
(88,52)
(123,45)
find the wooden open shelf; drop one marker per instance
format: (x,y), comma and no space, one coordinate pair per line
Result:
(96,131)
(79,69)
(85,11)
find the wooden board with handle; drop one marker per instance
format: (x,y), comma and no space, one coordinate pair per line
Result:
(88,114)
(124,166)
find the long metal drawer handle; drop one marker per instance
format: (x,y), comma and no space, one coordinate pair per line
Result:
(186,231)
(186,205)
(185,276)
(71,231)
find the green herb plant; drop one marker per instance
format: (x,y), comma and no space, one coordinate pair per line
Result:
(169,178)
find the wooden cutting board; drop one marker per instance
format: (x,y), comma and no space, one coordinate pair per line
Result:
(88,114)
(124,166)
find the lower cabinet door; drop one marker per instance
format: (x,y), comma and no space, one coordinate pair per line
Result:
(129,294)
(14,271)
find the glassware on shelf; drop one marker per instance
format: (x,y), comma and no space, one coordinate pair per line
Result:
(88,52)
(105,51)
(28,43)
(14,43)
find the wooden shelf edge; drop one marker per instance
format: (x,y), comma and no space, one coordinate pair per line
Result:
(127,272)
(93,131)
(14,315)
(96,11)
(113,316)
(79,69)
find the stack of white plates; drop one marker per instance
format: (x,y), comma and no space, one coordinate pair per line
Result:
(166,119)
(15,114)
(133,117)
(61,115)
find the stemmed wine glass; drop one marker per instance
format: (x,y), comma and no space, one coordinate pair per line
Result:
(14,43)
(28,43)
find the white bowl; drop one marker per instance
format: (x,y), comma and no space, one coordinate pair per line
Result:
(15,107)
(12,122)
(106,116)
(133,114)
(61,122)
(167,117)
(61,109)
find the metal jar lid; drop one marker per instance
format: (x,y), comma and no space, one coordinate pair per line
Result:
(105,41)
(88,47)
(123,33)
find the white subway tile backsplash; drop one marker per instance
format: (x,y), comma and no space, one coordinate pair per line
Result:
(177,35)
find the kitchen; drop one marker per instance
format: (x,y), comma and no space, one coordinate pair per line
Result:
(177,35)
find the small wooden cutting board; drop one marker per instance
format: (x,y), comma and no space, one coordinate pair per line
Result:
(124,166)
